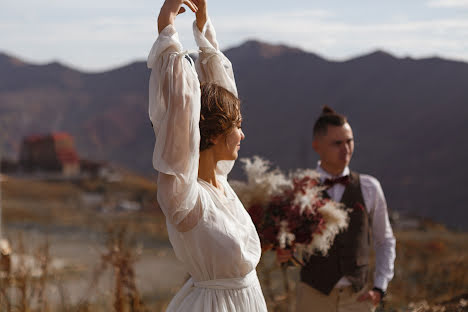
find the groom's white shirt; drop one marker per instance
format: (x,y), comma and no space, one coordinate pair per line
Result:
(382,234)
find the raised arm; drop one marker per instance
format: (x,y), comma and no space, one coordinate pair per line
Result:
(212,65)
(174,110)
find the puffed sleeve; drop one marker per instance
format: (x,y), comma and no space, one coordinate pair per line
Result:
(213,66)
(174,110)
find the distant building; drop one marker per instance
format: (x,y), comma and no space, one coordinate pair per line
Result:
(8,166)
(54,152)
(91,168)
(405,221)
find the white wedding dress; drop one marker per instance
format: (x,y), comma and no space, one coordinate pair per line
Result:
(211,232)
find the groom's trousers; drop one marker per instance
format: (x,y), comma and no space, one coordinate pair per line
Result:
(339,300)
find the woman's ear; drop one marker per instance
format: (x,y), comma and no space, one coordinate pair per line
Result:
(215,139)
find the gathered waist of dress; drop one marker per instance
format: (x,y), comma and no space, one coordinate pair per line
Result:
(230,283)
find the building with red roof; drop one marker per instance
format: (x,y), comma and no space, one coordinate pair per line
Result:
(53,152)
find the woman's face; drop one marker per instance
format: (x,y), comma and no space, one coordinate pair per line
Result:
(228,144)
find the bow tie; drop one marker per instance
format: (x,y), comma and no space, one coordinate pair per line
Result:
(341,180)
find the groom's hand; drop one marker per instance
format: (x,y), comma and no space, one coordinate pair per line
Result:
(283,255)
(371,295)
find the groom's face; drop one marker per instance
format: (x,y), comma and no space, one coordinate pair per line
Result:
(335,148)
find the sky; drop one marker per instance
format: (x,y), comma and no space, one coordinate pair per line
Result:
(97,35)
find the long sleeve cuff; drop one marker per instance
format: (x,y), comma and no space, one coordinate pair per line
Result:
(168,38)
(206,39)
(385,258)
(381,283)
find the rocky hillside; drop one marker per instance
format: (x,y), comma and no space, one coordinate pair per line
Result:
(408,115)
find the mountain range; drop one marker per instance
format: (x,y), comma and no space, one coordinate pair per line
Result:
(409,116)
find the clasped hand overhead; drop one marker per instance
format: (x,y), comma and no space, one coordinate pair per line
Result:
(172,8)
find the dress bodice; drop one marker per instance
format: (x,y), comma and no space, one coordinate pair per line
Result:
(224,243)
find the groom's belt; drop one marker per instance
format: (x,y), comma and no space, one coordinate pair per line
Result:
(229,283)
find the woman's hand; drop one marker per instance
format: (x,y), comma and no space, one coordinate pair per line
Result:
(202,13)
(171,8)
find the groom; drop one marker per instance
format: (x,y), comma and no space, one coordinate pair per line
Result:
(338,281)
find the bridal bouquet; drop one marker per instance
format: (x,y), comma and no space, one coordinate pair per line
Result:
(289,212)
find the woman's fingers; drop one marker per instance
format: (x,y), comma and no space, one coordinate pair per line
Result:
(199,3)
(192,6)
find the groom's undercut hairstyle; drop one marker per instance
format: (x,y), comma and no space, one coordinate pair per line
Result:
(328,118)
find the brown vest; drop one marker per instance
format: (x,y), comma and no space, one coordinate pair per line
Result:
(349,254)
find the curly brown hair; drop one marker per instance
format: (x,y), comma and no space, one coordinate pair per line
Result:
(220,112)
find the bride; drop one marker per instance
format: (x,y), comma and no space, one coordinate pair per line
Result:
(197,123)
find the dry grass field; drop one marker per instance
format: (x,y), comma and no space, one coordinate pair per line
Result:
(118,260)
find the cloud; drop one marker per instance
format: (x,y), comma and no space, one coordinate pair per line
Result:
(338,39)
(50,5)
(104,38)
(448,3)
